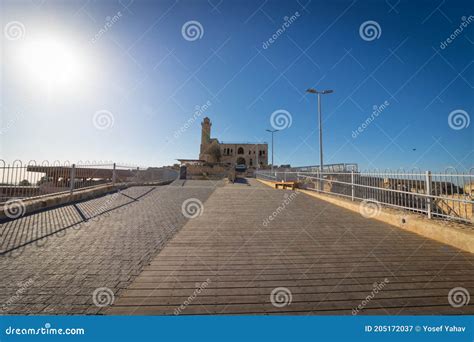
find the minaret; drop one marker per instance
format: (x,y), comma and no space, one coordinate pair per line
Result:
(205,134)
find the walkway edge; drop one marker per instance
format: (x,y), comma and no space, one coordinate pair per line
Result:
(446,232)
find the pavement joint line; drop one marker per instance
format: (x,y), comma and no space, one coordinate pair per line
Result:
(184,260)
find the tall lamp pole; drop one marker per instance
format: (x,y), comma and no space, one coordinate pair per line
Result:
(272,131)
(319,93)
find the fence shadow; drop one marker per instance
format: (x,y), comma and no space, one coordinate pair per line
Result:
(36,228)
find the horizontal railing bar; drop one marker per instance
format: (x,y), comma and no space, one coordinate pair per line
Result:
(390,190)
(374,174)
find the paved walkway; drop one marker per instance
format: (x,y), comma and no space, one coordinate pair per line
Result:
(249,241)
(258,250)
(55,260)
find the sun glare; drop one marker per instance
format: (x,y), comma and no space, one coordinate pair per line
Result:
(52,63)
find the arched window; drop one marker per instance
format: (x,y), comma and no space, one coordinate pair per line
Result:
(240,150)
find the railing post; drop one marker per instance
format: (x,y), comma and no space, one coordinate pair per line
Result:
(72,177)
(114,176)
(428,192)
(321,184)
(352,186)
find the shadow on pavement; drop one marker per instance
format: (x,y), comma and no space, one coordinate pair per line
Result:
(33,228)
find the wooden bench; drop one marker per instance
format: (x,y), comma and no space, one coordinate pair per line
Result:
(285,185)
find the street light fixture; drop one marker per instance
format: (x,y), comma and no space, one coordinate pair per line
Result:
(319,93)
(314,91)
(272,131)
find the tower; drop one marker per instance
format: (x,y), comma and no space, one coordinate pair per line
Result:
(205,134)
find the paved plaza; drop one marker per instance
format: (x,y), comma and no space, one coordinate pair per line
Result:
(58,274)
(249,249)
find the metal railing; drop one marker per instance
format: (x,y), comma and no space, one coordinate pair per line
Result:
(340,167)
(20,180)
(448,194)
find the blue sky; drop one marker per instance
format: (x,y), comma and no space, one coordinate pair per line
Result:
(149,79)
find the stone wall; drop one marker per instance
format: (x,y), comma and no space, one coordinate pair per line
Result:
(207,171)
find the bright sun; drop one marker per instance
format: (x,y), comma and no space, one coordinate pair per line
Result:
(52,63)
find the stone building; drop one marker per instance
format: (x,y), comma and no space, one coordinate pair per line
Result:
(213,151)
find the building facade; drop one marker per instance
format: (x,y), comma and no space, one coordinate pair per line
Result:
(212,151)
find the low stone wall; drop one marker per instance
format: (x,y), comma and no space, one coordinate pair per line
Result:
(207,172)
(154,173)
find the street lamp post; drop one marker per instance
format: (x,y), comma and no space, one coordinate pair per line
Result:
(272,131)
(321,163)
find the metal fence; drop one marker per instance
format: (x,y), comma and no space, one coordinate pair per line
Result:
(340,167)
(25,180)
(447,195)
